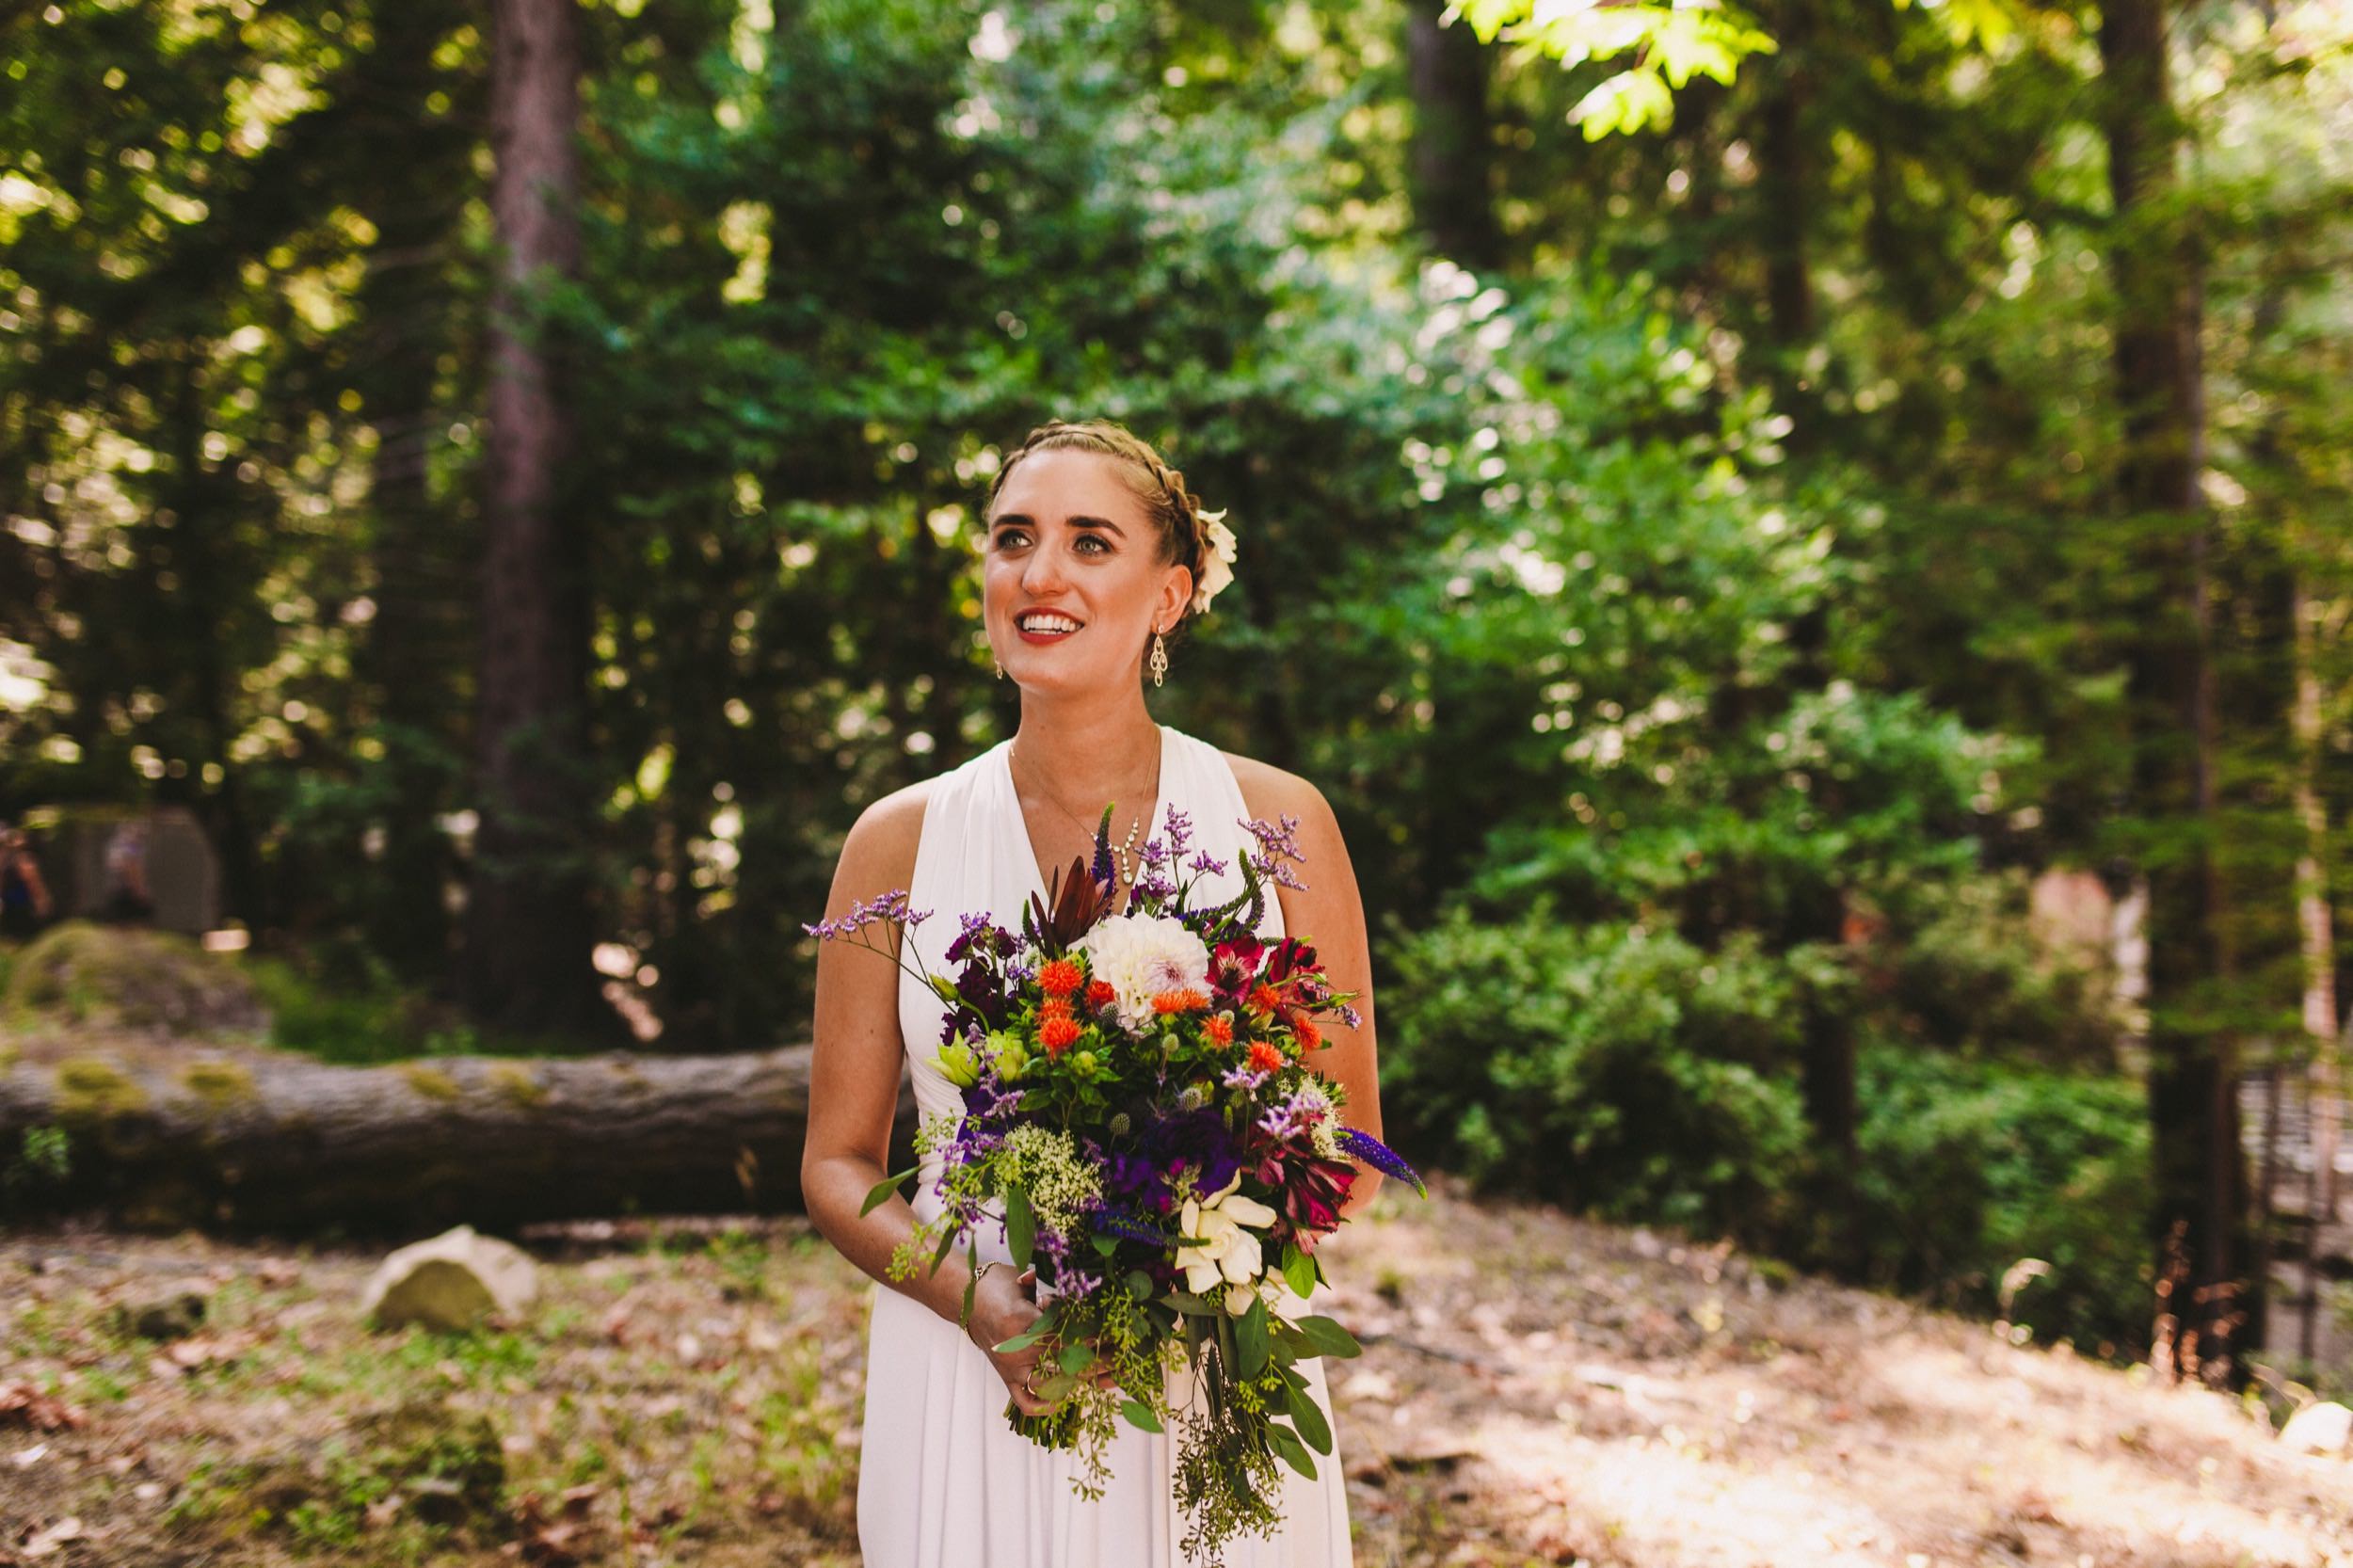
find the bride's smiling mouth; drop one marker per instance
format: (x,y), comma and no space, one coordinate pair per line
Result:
(1045,626)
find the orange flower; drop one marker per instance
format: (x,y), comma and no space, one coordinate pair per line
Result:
(1053,1007)
(1165,1002)
(1219,1028)
(1309,1036)
(1262,996)
(1099,993)
(1059,978)
(1056,1035)
(1263,1057)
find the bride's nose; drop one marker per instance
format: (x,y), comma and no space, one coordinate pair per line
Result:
(1043,573)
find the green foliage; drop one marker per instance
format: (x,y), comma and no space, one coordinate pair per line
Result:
(44,1159)
(1671,45)
(1617,1070)
(1969,1167)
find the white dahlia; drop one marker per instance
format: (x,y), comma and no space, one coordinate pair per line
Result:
(1140,955)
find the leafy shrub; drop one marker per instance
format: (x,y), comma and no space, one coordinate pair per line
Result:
(1962,972)
(1969,1166)
(1620,1071)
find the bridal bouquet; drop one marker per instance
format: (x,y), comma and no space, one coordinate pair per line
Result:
(1136,1097)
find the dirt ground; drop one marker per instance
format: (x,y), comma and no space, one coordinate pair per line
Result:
(1535,1389)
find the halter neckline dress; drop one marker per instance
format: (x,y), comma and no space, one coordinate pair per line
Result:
(943,1481)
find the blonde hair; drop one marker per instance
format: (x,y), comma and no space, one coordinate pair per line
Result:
(1174,511)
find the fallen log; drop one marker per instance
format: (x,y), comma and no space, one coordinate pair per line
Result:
(283,1145)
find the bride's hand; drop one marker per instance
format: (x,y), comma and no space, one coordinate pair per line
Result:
(1004,1305)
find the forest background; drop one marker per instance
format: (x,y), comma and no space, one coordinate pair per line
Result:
(1713,533)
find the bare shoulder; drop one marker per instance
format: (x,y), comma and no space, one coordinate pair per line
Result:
(882,842)
(1269,792)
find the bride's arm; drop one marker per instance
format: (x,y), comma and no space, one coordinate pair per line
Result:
(854,1073)
(1330,914)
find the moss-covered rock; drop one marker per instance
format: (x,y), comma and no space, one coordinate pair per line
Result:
(136,977)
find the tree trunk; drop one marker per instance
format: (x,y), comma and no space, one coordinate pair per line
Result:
(287,1145)
(2312,904)
(530,923)
(2200,1181)
(1452,154)
(419,640)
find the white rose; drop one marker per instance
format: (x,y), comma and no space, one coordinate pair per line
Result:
(1139,956)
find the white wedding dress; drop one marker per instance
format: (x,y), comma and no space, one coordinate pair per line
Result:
(943,1481)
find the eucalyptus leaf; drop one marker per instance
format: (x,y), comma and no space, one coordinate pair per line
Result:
(1250,1341)
(880,1192)
(1139,1414)
(1328,1338)
(1020,1226)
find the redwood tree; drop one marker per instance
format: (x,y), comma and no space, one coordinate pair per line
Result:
(529,926)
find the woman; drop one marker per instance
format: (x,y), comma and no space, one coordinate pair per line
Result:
(24,901)
(1095,555)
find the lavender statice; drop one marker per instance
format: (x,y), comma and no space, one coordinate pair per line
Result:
(1180,833)
(1277,843)
(890,907)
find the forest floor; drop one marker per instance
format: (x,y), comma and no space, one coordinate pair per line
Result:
(1534,1389)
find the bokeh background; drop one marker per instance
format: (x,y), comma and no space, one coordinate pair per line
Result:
(1808,548)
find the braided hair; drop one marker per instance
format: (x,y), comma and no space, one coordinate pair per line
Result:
(1174,511)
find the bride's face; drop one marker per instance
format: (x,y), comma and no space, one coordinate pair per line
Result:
(1070,540)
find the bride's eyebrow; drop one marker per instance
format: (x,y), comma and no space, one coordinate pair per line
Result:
(1005,518)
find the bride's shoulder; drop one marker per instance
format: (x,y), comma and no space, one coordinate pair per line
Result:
(1271,792)
(887,833)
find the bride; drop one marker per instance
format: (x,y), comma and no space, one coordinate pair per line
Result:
(1095,556)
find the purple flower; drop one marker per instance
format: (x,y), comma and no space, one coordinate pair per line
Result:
(1382,1157)
(1276,844)
(881,908)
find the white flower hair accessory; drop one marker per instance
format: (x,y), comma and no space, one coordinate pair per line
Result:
(1217,561)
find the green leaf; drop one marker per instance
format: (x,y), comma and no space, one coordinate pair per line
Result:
(1139,1414)
(1020,1226)
(1250,1342)
(1299,1268)
(880,1192)
(1031,1335)
(1139,1284)
(1328,1338)
(1076,1358)
(1287,1447)
(1309,1418)
(946,1245)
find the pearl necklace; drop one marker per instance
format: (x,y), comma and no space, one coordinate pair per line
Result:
(1123,854)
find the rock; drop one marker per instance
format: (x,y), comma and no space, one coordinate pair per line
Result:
(450,1282)
(174,1316)
(137,977)
(2325,1428)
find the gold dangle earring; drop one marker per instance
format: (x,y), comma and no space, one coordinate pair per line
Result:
(1159,658)
(1000,663)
